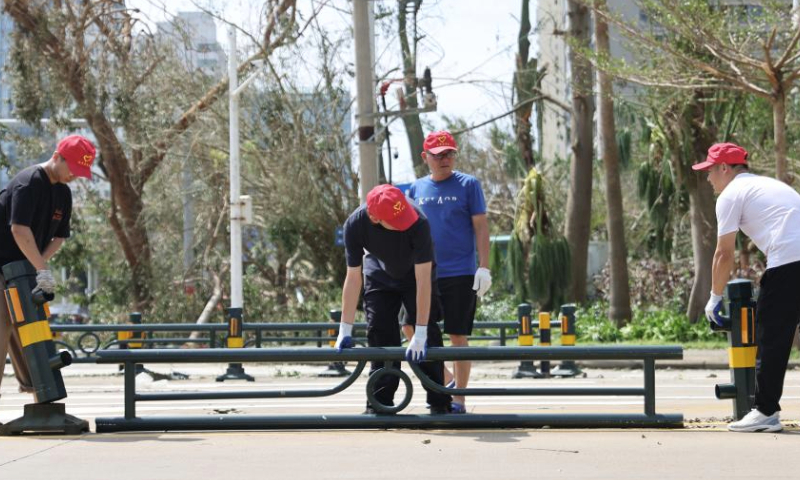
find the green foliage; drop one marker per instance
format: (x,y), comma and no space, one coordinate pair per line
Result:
(539,257)
(516,267)
(648,325)
(548,270)
(496,307)
(657,189)
(496,262)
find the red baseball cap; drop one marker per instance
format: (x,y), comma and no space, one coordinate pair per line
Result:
(79,154)
(387,203)
(719,153)
(438,142)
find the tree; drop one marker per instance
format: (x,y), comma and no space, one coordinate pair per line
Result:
(527,82)
(579,200)
(113,76)
(538,257)
(620,300)
(701,45)
(410,84)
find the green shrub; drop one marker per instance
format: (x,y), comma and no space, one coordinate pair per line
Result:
(648,325)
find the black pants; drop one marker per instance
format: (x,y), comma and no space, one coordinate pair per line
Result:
(777,315)
(381,306)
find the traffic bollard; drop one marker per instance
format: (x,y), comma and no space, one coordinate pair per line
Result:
(235,371)
(526,368)
(134,318)
(544,340)
(567,368)
(29,313)
(740,327)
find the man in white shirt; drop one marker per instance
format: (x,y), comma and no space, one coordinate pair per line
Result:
(767,211)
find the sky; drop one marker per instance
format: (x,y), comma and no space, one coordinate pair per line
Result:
(469,45)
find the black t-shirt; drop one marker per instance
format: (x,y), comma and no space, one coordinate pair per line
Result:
(388,256)
(31,200)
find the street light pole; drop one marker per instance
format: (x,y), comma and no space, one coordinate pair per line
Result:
(365,96)
(235,211)
(235,339)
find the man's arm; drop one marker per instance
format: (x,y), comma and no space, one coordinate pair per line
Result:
(422,271)
(52,248)
(481,226)
(350,292)
(723,262)
(27,244)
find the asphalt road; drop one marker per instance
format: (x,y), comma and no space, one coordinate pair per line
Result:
(703,449)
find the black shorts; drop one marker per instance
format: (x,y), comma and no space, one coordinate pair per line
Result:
(458,303)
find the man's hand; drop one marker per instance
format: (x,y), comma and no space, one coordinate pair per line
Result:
(714,309)
(345,338)
(417,348)
(45,281)
(483,281)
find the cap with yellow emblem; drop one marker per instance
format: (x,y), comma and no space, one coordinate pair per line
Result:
(438,142)
(387,203)
(79,154)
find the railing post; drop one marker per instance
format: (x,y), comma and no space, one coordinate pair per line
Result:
(742,350)
(568,368)
(130,391)
(649,386)
(526,368)
(235,340)
(334,369)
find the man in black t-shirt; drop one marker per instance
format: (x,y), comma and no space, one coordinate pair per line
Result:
(35,212)
(389,241)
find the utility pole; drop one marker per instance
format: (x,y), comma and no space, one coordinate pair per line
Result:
(365,96)
(235,212)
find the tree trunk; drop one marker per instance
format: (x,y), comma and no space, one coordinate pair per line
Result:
(620,296)
(411,122)
(701,212)
(522,84)
(779,125)
(704,241)
(579,201)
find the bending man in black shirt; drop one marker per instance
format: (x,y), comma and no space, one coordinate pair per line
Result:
(390,240)
(35,212)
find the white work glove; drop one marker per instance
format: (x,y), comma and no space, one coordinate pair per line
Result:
(417,348)
(345,338)
(45,281)
(483,281)
(714,309)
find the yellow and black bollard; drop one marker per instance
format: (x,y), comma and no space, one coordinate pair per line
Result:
(544,340)
(334,369)
(29,313)
(235,340)
(740,326)
(526,368)
(125,338)
(568,368)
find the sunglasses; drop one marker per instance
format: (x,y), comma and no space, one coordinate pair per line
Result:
(443,155)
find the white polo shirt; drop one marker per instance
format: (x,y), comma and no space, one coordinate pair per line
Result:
(766,210)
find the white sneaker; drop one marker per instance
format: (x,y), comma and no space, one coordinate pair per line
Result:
(756,421)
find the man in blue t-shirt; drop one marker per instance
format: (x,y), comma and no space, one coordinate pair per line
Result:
(456,209)
(388,247)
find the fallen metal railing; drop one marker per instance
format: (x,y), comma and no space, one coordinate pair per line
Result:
(130,421)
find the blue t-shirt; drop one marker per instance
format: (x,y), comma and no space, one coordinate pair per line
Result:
(450,206)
